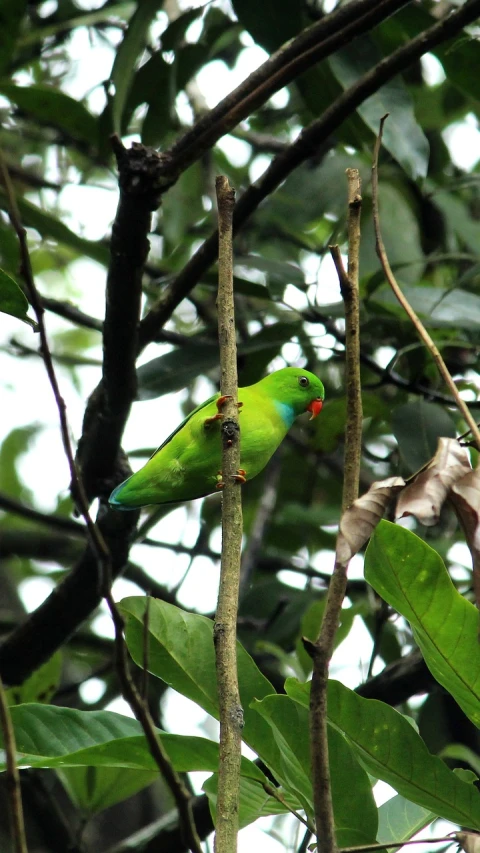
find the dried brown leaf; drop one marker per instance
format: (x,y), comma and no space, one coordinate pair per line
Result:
(425,497)
(469,841)
(359,521)
(465,497)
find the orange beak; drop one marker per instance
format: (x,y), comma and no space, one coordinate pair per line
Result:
(315,407)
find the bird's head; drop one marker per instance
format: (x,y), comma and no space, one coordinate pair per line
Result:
(298,389)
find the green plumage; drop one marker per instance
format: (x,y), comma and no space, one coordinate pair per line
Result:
(187,464)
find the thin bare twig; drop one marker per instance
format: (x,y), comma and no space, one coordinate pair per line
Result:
(416,322)
(275,793)
(13,777)
(321,651)
(364,847)
(225,637)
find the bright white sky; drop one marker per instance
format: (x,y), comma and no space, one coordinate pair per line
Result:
(90,210)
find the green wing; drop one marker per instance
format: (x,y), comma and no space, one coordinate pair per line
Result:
(185,421)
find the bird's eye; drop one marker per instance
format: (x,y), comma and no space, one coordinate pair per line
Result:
(303,381)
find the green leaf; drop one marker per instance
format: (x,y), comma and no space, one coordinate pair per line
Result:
(94,789)
(412,578)
(175,369)
(354,806)
(403,136)
(458,217)
(49,225)
(254,801)
(13,300)
(417,428)
(127,53)
(280,270)
(51,736)
(13,446)
(400,231)
(391,750)
(332,427)
(181,653)
(41,685)
(399,820)
(52,107)
(436,307)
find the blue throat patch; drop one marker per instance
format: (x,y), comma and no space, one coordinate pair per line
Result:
(286,412)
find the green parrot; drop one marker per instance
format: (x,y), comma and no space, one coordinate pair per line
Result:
(186,466)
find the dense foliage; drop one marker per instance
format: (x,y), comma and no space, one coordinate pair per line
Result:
(149,71)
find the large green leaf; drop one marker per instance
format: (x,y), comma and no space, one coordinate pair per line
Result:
(51,736)
(49,225)
(254,801)
(94,789)
(354,807)
(181,653)
(411,576)
(399,820)
(13,300)
(417,427)
(52,107)
(175,369)
(400,231)
(403,136)
(438,308)
(391,750)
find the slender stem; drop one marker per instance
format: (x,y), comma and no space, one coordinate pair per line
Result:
(321,651)
(13,777)
(415,320)
(275,793)
(230,709)
(389,844)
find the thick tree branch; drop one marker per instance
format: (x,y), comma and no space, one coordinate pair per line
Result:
(312,45)
(140,185)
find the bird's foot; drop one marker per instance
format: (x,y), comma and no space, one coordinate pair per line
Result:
(239,477)
(218,417)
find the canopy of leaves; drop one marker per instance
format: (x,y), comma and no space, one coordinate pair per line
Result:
(204,86)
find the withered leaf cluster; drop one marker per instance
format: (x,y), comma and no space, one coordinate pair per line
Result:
(448,476)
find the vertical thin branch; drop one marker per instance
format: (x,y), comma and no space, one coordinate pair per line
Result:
(321,651)
(416,322)
(353,426)
(231,714)
(13,777)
